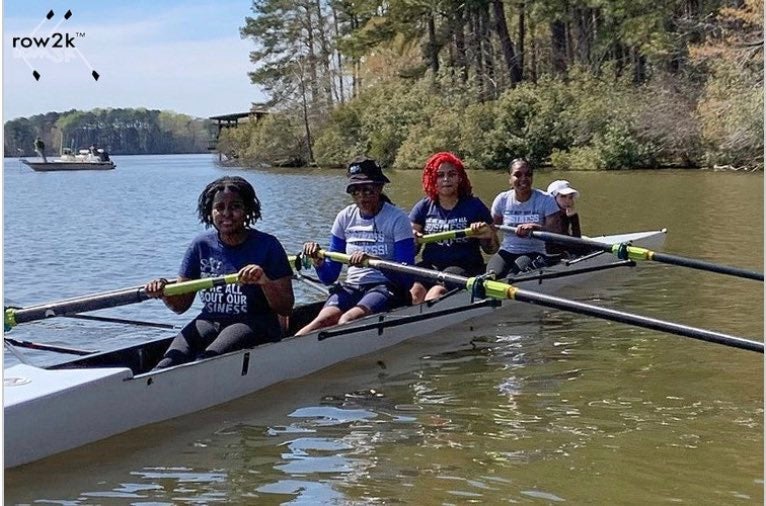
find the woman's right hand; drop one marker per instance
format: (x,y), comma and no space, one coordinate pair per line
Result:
(154,289)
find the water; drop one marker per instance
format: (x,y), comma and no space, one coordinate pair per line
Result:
(537,407)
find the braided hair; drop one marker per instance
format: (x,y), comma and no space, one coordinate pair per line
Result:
(429,175)
(522,162)
(233,184)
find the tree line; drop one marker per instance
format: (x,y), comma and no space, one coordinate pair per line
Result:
(119,131)
(580,84)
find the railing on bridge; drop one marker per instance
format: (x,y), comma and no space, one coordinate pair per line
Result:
(256,112)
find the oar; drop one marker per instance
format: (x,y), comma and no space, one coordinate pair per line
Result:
(14,316)
(445,236)
(312,283)
(636,253)
(498,290)
(45,347)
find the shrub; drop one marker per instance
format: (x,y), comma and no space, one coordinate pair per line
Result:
(731,117)
(577,158)
(341,138)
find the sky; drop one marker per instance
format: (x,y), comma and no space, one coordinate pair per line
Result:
(183,56)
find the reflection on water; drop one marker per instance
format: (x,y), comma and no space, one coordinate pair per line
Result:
(528,406)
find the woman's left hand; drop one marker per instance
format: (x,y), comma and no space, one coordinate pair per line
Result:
(252,275)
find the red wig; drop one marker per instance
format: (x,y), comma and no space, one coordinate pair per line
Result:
(429,175)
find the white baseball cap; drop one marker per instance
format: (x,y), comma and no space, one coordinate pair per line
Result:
(562,187)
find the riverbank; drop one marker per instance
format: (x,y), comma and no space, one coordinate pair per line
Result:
(581,122)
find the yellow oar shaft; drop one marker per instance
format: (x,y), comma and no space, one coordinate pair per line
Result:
(445,236)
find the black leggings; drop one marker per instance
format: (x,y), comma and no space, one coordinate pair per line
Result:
(203,338)
(504,262)
(467,271)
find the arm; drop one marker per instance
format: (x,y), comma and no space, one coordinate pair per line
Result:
(575,221)
(553,223)
(279,294)
(484,231)
(486,235)
(417,231)
(404,252)
(418,221)
(327,270)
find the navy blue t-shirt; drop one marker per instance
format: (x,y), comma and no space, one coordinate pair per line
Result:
(464,252)
(208,257)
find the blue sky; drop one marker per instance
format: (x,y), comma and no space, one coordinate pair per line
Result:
(183,56)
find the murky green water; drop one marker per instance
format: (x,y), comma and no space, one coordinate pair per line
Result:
(531,407)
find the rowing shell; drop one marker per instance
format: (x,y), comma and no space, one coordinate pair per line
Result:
(58,408)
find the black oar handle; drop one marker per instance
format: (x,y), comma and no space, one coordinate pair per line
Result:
(79,305)
(46,347)
(560,238)
(500,290)
(636,253)
(106,300)
(637,320)
(706,266)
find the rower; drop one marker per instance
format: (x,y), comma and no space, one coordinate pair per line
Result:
(449,204)
(528,209)
(371,227)
(565,197)
(234,316)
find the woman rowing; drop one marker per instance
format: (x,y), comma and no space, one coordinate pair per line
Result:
(239,315)
(370,227)
(450,205)
(527,209)
(565,197)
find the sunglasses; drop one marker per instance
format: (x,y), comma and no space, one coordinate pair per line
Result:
(363,190)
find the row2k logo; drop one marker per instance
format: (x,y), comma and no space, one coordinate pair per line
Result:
(55,45)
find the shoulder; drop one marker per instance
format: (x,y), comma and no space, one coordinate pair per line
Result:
(473,201)
(346,214)
(501,198)
(391,211)
(423,203)
(542,196)
(347,211)
(207,237)
(263,238)
(476,205)
(547,202)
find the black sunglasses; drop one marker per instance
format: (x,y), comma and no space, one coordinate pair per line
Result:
(363,190)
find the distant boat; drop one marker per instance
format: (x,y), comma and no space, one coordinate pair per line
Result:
(84,160)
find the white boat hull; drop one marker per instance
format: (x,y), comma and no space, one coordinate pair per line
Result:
(48,411)
(613,268)
(66,165)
